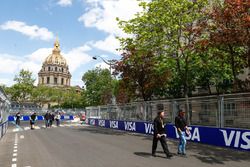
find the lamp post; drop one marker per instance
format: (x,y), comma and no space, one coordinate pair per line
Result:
(110,63)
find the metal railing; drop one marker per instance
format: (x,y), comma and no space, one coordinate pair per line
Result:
(217,111)
(23,111)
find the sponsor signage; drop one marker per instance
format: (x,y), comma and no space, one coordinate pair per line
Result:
(39,118)
(224,137)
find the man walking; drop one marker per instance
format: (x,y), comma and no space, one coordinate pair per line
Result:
(159,134)
(182,129)
(46,118)
(18,118)
(33,119)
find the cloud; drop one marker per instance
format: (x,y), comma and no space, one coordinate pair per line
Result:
(9,64)
(102,65)
(65,3)
(39,55)
(6,81)
(102,15)
(77,57)
(110,44)
(33,31)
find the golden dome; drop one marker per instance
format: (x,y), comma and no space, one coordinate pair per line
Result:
(56,58)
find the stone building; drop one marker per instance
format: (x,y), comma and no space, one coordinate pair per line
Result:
(55,71)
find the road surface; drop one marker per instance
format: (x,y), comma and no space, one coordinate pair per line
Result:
(78,145)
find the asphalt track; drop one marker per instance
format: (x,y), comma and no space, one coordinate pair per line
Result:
(78,145)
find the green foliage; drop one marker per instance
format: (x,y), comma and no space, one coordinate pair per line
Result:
(22,89)
(64,97)
(99,86)
(199,43)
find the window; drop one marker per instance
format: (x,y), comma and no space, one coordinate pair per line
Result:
(48,68)
(42,80)
(55,80)
(48,80)
(62,69)
(55,68)
(62,81)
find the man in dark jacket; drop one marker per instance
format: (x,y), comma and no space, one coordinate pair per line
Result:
(18,118)
(46,118)
(159,134)
(182,129)
(33,119)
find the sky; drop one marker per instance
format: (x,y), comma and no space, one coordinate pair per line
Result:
(85,28)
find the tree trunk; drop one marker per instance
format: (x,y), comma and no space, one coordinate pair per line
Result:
(186,90)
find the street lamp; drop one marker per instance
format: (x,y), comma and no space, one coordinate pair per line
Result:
(110,63)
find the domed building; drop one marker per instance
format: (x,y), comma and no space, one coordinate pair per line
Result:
(55,71)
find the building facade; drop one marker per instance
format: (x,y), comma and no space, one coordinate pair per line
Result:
(55,71)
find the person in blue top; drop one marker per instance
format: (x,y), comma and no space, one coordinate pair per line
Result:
(182,129)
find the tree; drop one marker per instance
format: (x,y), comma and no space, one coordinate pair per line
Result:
(169,31)
(137,71)
(99,86)
(229,30)
(22,89)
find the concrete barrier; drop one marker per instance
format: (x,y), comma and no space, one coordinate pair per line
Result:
(223,137)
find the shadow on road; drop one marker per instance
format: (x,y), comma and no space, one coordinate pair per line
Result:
(204,153)
(104,131)
(160,154)
(217,155)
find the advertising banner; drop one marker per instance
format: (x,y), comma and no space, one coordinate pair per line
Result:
(224,137)
(39,118)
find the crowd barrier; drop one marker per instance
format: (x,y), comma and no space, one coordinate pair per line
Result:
(39,117)
(3,129)
(223,137)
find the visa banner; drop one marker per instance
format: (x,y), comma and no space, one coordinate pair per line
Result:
(223,137)
(39,118)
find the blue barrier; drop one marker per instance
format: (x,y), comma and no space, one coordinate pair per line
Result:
(223,137)
(3,129)
(39,118)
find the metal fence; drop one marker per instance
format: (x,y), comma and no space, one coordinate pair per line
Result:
(4,106)
(23,111)
(216,111)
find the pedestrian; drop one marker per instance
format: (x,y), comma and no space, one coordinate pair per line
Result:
(18,118)
(58,117)
(33,119)
(182,129)
(159,134)
(46,119)
(52,118)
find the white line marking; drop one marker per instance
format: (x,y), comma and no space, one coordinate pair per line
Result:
(14,159)
(15,144)
(15,154)
(15,147)
(16,139)
(22,137)
(13,165)
(15,150)
(37,127)
(26,128)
